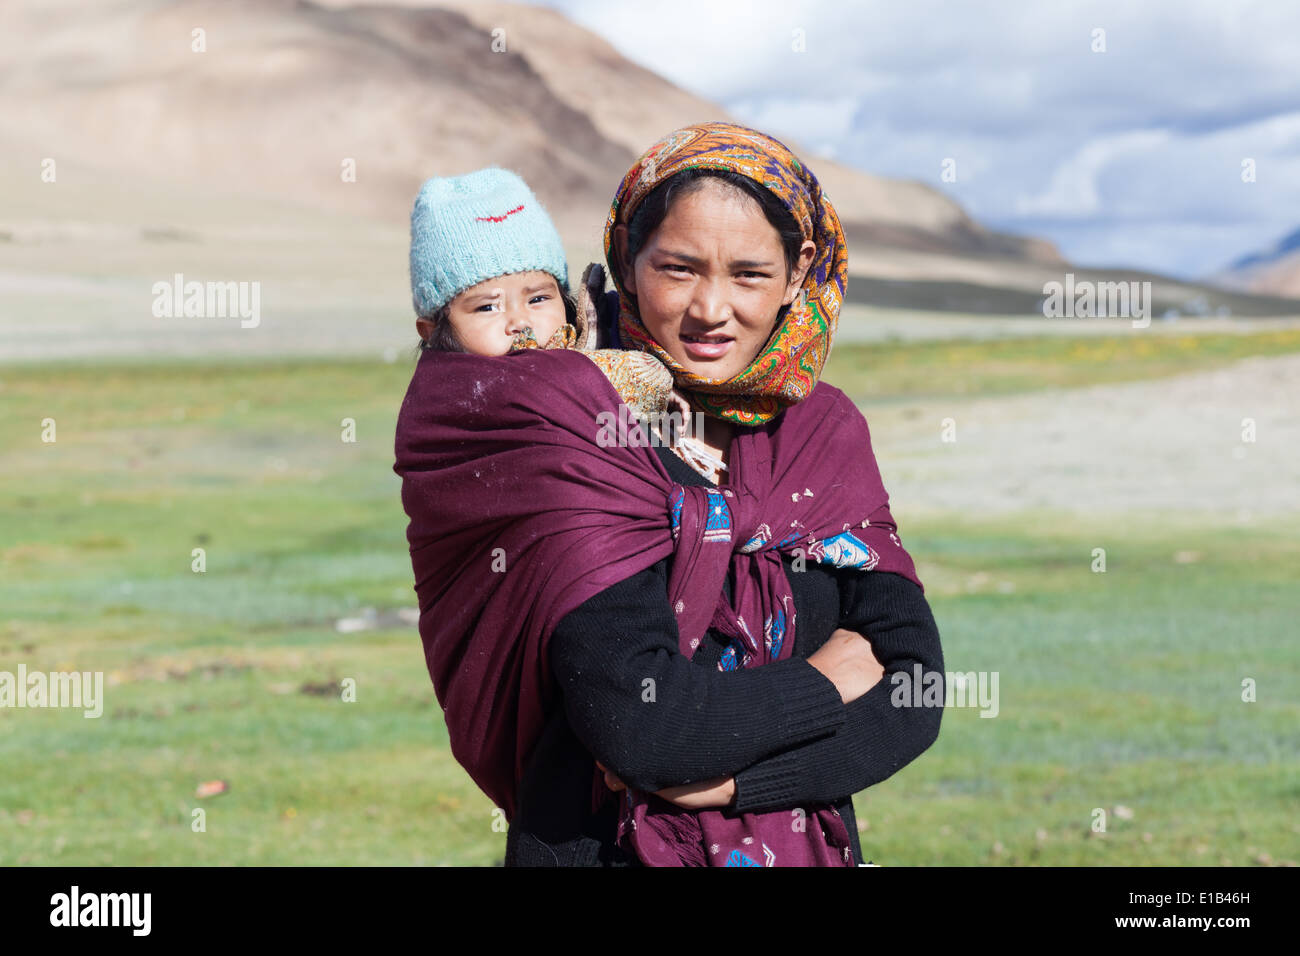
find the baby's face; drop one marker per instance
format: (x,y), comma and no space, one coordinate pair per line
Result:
(487,316)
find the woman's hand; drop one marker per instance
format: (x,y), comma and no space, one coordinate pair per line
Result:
(718,792)
(611,781)
(847,660)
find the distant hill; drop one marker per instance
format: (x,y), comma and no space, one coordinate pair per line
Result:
(1271,271)
(286,91)
(253,137)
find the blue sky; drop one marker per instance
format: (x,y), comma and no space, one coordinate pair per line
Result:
(1128,157)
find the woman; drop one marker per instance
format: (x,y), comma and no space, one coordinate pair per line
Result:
(584,650)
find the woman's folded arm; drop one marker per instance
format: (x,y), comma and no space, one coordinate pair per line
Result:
(877,738)
(657,720)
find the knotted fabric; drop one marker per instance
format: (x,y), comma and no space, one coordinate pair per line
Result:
(524,502)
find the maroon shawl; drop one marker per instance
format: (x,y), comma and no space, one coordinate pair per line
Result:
(518,515)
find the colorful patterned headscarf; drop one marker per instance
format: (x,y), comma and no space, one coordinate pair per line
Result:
(790,363)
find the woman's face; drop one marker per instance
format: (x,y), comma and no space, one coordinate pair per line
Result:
(710,280)
(486,316)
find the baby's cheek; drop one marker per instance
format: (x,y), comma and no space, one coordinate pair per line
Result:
(550,321)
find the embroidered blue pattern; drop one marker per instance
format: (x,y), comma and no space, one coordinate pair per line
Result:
(845,551)
(678,499)
(717,527)
(758,540)
(774,632)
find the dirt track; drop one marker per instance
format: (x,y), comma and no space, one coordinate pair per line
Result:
(1172,444)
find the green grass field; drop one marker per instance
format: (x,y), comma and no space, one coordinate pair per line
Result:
(1117,690)
(969,368)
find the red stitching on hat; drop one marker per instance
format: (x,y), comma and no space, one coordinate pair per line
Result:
(498,218)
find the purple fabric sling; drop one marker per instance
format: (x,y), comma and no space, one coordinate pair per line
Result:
(519,514)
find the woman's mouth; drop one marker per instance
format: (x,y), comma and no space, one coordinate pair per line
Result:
(706,346)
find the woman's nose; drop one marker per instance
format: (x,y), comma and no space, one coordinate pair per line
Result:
(709,305)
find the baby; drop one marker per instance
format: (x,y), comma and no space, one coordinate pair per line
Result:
(489,277)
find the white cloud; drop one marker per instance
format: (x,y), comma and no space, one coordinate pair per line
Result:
(1050,137)
(818,119)
(1072,190)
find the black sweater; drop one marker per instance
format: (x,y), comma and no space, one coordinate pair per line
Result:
(781,729)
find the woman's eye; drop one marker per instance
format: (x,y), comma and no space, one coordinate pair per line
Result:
(756,275)
(673,266)
(539,298)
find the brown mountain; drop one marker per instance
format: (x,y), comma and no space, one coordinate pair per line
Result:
(284,92)
(1272,271)
(216,136)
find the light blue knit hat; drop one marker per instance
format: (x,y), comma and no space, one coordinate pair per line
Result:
(465,229)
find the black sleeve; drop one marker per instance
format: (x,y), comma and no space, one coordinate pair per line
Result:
(657,720)
(878,738)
